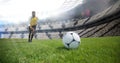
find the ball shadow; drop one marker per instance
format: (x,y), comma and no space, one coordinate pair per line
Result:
(62,48)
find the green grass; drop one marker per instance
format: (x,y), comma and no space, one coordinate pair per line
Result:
(91,50)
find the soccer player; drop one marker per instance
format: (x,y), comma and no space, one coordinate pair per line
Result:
(32,27)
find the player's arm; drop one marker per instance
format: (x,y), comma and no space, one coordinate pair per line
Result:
(37,21)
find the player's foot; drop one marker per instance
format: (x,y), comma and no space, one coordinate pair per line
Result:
(29,40)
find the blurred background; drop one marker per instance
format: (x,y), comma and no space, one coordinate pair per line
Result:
(88,18)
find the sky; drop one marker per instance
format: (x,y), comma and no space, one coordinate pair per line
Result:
(17,11)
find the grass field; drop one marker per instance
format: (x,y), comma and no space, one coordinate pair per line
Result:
(91,50)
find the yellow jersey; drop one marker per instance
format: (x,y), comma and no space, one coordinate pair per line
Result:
(33,21)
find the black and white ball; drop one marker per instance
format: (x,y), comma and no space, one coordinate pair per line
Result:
(71,40)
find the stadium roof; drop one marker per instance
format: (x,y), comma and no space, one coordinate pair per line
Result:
(69,4)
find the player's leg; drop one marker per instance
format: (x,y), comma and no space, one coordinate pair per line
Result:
(32,35)
(29,37)
(33,32)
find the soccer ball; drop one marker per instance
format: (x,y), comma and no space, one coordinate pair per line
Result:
(71,40)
